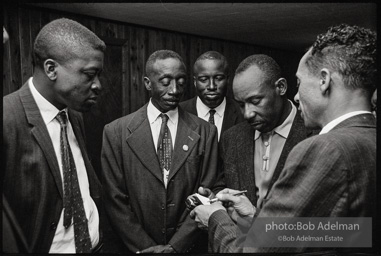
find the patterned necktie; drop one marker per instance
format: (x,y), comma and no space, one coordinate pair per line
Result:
(211,116)
(164,147)
(72,200)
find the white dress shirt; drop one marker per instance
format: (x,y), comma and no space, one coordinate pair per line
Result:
(63,241)
(267,153)
(203,113)
(340,119)
(155,121)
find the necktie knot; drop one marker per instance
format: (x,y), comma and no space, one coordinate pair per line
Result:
(62,118)
(164,118)
(211,116)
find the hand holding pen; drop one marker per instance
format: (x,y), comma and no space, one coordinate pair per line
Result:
(237,193)
(238,202)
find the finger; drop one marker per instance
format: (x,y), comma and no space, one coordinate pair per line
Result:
(148,250)
(204,191)
(228,191)
(192,214)
(228,198)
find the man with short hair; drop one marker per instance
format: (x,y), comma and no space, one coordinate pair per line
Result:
(254,152)
(153,159)
(332,174)
(211,79)
(48,179)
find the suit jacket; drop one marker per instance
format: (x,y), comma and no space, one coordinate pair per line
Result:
(232,115)
(140,209)
(32,182)
(329,175)
(237,152)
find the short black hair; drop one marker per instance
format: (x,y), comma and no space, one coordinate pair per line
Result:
(161,55)
(64,39)
(265,63)
(349,50)
(211,55)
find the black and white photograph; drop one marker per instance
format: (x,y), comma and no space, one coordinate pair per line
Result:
(190,127)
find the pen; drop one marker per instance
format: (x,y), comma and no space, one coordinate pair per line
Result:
(234,194)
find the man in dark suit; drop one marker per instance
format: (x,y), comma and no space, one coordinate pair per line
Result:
(254,152)
(332,174)
(48,180)
(211,79)
(153,159)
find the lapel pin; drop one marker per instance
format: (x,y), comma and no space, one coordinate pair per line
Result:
(185,147)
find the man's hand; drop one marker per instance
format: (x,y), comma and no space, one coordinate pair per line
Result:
(201,213)
(193,200)
(206,192)
(158,249)
(237,206)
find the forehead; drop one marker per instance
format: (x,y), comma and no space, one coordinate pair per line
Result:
(251,79)
(89,59)
(302,67)
(209,65)
(168,65)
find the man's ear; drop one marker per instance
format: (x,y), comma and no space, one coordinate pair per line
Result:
(50,68)
(194,81)
(281,85)
(325,81)
(147,83)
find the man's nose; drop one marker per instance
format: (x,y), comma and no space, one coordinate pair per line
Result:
(296,98)
(96,85)
(248,112)
(211,85)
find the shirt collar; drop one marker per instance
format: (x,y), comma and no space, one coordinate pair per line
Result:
(283,129)
(48,110)
(340,119)
(203,110)
(153,114)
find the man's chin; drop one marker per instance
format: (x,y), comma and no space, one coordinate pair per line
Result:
(212,103)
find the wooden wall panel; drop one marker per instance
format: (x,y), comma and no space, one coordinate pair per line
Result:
(25,45)
(24,22)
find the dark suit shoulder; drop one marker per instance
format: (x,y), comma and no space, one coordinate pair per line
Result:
(237,129)
(195,119)
(189,105)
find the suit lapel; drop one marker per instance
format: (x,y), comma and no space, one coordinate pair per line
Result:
(141,142)
(230,115)
(193,105)
(186,136)
(40,132)
(245,167)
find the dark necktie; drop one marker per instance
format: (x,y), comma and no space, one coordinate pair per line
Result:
(211,116)
(72,200)
(164,147)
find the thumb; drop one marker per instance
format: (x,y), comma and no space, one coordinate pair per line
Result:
(228,198)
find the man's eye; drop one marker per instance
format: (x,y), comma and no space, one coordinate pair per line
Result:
(166,81)
(255,102)
(220,78)
(181,81)
(90,75)
(203,79)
